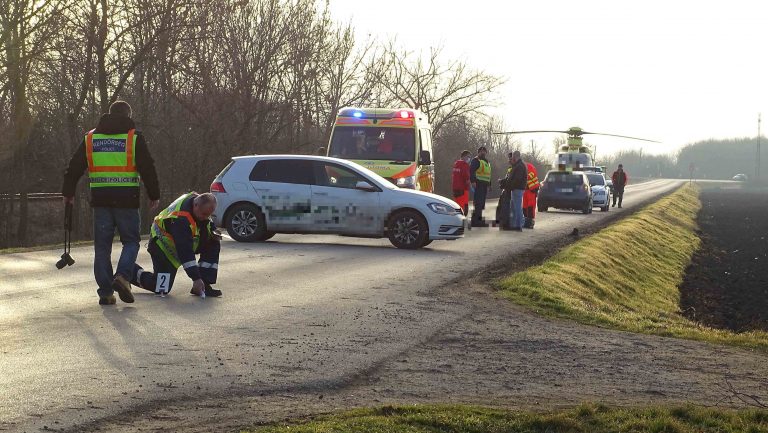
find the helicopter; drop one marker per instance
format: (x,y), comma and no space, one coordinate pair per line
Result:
(574,154)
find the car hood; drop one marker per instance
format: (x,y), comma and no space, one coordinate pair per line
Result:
(425,197)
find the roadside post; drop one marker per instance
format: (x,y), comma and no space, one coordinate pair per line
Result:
(691,168)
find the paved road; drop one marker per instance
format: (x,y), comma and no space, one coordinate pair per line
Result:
(297,312)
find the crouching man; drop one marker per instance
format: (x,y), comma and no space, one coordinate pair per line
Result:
(179,232)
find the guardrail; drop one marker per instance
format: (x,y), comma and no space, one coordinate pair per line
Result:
(33,196)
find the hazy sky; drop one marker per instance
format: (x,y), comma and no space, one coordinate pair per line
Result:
(674,71)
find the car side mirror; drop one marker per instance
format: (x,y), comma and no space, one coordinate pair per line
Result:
(425,158)
(364,186)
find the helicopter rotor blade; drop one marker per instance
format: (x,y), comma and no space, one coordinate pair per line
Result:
(526,132)
(622,136)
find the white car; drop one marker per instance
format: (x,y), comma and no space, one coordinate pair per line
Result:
(261,195)
(601,193)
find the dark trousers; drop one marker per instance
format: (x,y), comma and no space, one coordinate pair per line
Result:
(105,221)
(481,193)
(164,272)
(618,194)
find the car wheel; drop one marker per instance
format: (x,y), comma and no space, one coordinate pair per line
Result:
(587,208)
(427,242)
(246,223)
(604,209)
(408,229)
(543,208)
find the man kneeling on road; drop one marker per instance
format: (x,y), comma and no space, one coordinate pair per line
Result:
(179,232)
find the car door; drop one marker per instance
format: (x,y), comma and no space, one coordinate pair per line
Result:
(284,190)
(339,207)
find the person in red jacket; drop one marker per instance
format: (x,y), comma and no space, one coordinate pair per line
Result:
(460,181)
(529,197)
(620,180)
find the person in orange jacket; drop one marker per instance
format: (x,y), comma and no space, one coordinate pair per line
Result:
(460,181)
(529,197)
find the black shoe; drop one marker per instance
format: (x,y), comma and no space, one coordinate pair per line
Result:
(619,206)
(107,300)
(210,291)
(123,289)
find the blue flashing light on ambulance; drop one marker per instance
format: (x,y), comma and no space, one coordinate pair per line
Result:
(395,143)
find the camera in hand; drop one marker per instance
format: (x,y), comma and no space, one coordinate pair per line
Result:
(65,260)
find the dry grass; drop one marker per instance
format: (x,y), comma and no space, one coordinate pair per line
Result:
(635,268)
(588,418)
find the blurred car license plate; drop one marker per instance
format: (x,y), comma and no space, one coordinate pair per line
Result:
(565,190)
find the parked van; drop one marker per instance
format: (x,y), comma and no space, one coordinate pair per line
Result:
(393,143)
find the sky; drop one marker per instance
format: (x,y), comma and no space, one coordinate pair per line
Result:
(676,71)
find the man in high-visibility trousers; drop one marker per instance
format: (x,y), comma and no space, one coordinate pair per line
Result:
(460,181)
(179,232)
(115,154)
(529,197)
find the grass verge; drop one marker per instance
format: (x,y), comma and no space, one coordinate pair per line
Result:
(626,276)
(585,418)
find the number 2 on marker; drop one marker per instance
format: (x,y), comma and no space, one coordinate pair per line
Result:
(163,283)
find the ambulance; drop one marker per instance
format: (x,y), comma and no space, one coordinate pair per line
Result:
(395,143)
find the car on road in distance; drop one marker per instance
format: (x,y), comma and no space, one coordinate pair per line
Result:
(741,177)
(601,194)
(593,168)
(564,189)
(261,195)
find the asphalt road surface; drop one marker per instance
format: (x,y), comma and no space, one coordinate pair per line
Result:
(301,312)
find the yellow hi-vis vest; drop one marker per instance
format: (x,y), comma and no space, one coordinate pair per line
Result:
(484,171)
(164,240)
(111,160)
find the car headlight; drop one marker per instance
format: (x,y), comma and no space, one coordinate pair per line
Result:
(442,208)
(408,181)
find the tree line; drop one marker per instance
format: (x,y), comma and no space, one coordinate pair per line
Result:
(710,159)
(207,80)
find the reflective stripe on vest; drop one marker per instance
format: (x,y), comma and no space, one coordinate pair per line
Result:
(164,239)
(533,180)
(483,172)
(111,159)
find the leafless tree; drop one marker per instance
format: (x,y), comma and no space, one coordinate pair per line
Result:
(442,89)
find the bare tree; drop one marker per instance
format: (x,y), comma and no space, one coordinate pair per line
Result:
(27,27)
(442,89)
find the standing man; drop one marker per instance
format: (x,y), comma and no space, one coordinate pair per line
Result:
(179,232)
(460,181)
(115,154)
(620,180)
(480,179)
(529,196)
(517,182)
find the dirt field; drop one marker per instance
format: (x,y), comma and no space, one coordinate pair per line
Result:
(726,285)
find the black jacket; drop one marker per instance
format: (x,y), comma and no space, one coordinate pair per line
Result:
(123,196)
(517,177)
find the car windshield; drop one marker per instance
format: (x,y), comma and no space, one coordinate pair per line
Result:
(565,178)
(373,143)
(596,179)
